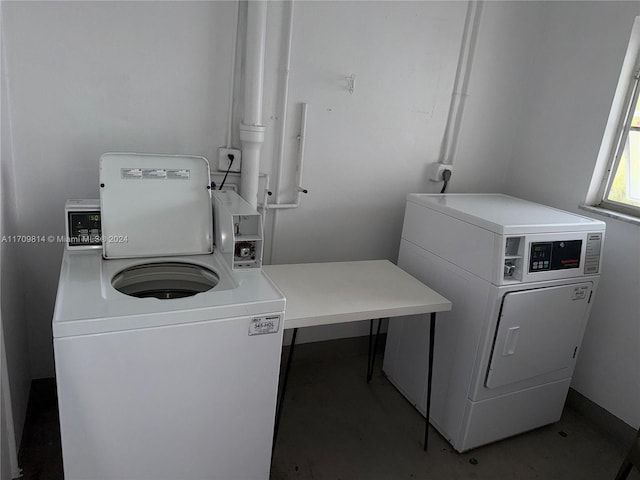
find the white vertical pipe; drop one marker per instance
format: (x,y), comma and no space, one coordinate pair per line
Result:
(232,79)
(461,83)
(285,101)
(251,128)
(251,139)
(283,131)
(254,61)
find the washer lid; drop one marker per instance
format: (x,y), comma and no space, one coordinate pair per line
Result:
(155,205)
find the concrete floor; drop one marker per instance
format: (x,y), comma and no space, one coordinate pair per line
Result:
(336,426)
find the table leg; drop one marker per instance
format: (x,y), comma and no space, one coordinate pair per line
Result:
(283,389)
(372,354)
(432,330)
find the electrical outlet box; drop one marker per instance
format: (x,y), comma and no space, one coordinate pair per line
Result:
(434,171)
(224,161)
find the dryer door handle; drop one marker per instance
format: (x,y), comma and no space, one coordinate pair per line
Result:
(511,341)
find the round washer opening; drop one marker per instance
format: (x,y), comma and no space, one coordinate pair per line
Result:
(165,280)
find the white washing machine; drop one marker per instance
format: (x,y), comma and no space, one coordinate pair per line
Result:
(521,278)
(167,355)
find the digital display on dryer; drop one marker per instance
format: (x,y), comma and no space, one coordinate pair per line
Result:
(540,258)
(560,255)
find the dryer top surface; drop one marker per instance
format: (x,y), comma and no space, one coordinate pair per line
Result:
(503,214)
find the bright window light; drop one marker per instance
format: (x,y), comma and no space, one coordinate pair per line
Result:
(616,182)
(624,185)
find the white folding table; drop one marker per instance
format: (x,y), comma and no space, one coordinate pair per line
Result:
(339,292)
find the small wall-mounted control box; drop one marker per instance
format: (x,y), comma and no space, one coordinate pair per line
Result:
(238,230)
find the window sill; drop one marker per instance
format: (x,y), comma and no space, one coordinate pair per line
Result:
(611,214)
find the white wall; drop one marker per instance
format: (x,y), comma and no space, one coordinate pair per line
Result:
(366,150)
(91,77)
(498,95)
(12,314)
(579,52)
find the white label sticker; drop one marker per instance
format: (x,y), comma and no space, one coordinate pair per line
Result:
(263,325)
(592,254)
(580,292)
(128,173)
(155,173)
(178,173)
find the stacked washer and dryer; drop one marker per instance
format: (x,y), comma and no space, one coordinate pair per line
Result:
(521,278)
(167,349)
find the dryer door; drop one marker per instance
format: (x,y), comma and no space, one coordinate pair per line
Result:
(538,332)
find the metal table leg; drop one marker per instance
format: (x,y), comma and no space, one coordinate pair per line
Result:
(283,389)
(432,330)
(372,354)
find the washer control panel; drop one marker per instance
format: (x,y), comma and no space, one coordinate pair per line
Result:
(83,224)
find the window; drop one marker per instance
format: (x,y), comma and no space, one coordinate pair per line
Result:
(622,190)
(616,182)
